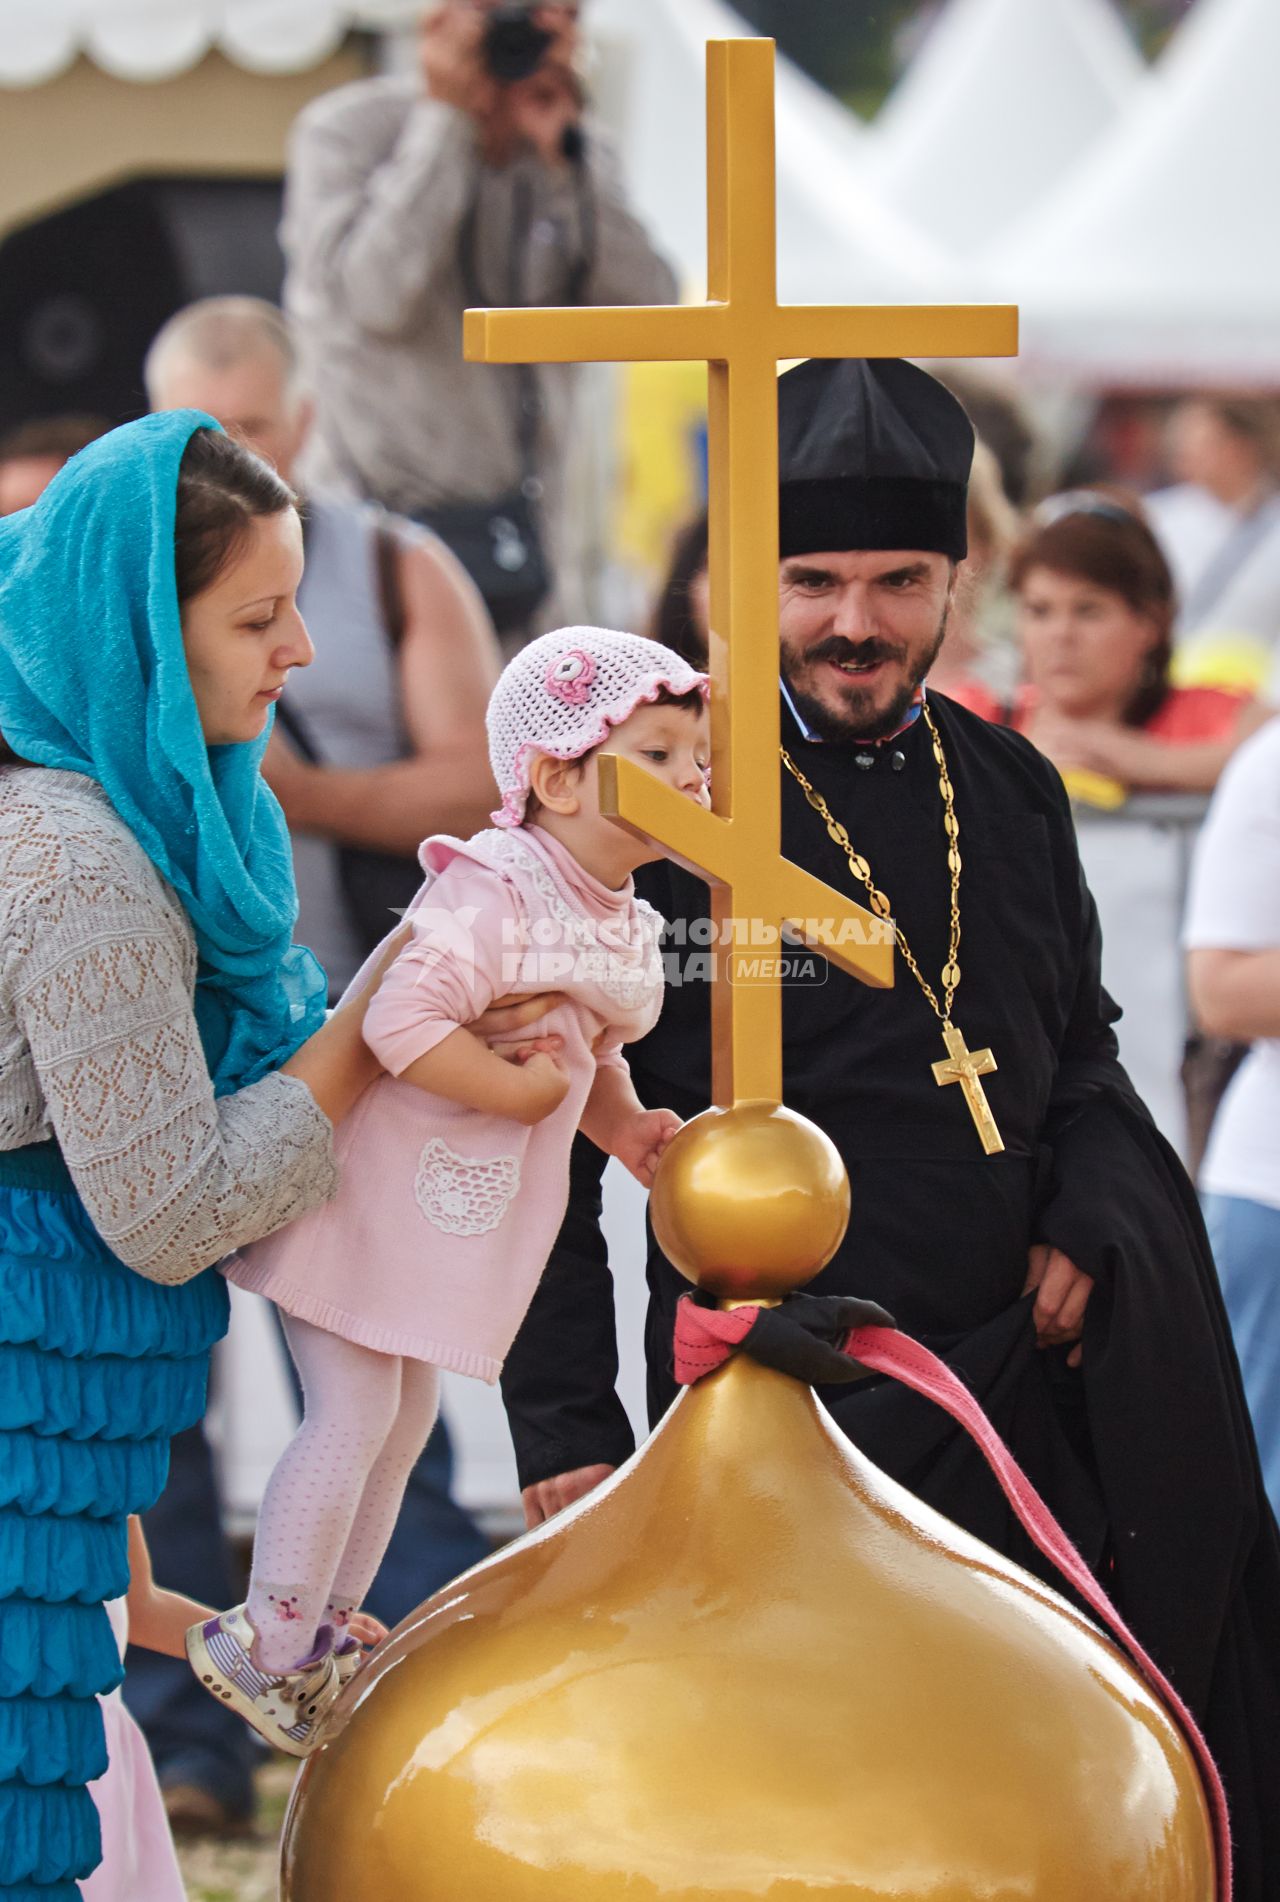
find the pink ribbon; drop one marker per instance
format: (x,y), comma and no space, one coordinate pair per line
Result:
(706,1337)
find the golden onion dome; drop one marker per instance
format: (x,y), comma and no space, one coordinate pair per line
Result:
(749,1667)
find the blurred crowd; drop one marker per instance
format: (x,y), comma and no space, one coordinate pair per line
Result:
(1131,632)
(1134,637)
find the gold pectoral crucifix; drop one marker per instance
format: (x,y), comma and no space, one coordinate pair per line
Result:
(742,333)
(964,1066)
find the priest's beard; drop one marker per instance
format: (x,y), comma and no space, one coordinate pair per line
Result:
(859,717)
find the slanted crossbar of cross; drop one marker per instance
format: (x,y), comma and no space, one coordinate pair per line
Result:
(743,333)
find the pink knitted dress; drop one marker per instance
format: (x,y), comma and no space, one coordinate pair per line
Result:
(445,1216)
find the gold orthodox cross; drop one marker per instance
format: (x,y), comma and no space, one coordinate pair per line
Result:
(964,1066)
(743,333)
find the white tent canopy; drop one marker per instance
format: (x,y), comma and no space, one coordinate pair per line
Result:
(1003,97)
(1157,261)
(154,39)
(836,240)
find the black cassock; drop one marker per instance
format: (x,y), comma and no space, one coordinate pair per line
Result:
(1146,1453)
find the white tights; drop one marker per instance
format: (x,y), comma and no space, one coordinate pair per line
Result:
(330,1506)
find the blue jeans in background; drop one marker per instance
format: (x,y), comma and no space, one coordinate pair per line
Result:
(1246,1246)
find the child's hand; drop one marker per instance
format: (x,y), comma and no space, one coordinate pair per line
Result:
(366,1629)
(515,1012)
(643,1139)
(520,1053)
(546,1084)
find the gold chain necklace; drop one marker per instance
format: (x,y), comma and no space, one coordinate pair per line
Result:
(960,1065)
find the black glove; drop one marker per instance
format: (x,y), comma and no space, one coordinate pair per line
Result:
(803,1337)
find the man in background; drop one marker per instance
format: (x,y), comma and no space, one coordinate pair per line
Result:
(478,180)
(392,713)
(391,719)
(1219,526)
(32,454)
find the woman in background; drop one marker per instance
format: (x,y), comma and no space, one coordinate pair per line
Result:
(979,656)
(1095,614)
(681,614)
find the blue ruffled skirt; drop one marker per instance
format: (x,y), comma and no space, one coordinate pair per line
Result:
(98,1369)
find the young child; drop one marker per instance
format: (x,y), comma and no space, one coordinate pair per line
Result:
(455,1166)
(138,1862)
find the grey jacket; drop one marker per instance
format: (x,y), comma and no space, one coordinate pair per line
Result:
(380,183)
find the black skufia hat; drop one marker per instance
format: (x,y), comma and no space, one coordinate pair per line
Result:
(871,454)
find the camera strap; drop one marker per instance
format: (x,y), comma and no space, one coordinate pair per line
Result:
(528,407)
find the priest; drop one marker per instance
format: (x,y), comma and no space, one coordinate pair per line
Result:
(1013,1205)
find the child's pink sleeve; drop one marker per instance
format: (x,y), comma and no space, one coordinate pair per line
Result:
(463,953)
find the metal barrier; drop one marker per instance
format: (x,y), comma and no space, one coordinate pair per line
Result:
(1138,861)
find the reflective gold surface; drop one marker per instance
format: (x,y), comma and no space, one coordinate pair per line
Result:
(751,1201)
(751,1667)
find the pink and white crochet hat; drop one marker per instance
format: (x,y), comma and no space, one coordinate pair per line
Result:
(563,693)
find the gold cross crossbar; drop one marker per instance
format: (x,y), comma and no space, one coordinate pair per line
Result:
(742,332)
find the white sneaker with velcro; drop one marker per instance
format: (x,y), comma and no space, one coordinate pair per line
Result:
(288,1709)
(348,1656)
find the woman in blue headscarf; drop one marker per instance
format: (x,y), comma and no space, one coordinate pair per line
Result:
(168,1083)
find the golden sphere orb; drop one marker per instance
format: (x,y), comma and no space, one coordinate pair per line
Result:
(750,1202)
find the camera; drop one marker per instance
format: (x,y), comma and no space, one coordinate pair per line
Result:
(514,45)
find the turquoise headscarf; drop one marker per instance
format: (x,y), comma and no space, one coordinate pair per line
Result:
(93,679)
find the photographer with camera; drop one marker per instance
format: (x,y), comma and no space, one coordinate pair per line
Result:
(478,181)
